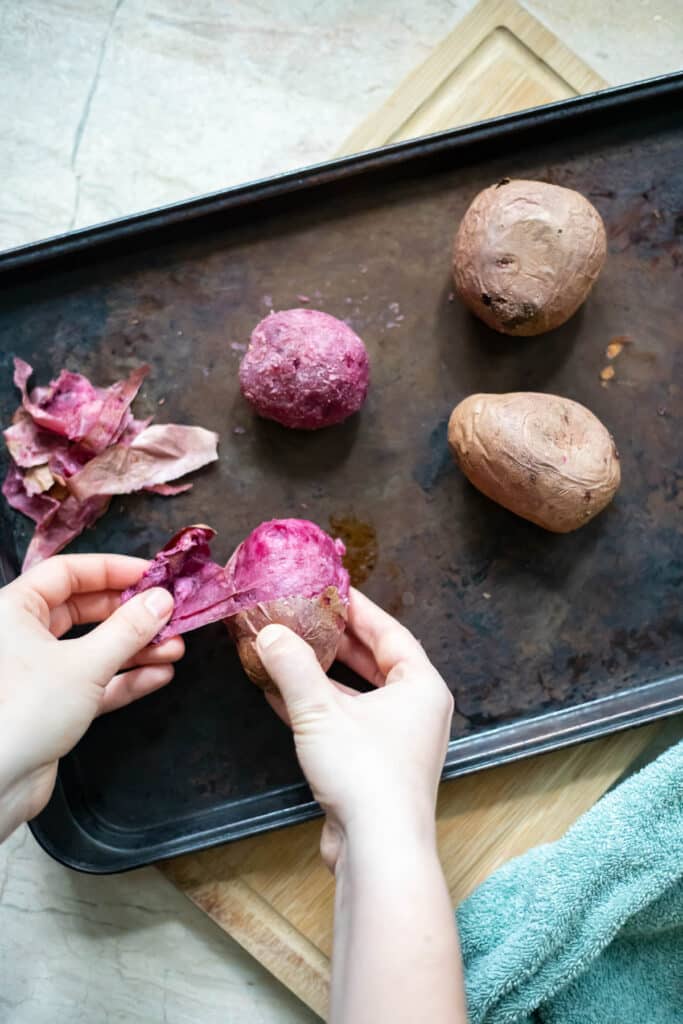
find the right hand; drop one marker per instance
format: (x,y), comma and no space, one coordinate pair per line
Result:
(373,760)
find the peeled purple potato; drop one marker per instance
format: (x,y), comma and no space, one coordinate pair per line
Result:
(305,369)
(290,572)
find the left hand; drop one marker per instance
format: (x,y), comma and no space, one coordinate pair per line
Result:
(51,689)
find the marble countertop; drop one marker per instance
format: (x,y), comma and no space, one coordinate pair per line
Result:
(113,106)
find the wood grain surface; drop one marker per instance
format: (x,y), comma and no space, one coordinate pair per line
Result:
(271,892)
(498,59)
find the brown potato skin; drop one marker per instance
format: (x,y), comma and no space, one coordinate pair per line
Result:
(545,458)
(527,254)
(320,621)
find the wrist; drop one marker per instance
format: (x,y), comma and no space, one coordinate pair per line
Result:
(382,865)
(388,811)
(21,782)
(14,794)
(396,831)
(17,744)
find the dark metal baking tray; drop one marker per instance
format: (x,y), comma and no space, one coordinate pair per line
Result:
(545,640)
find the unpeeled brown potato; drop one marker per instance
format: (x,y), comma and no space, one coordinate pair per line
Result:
(545,458)
(527,254)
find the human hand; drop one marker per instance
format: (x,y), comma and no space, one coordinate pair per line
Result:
(373,760)
(51,689)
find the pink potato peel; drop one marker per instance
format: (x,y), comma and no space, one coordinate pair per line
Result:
(201,590)
(305,369)
(72,445)
(69,520)
(159,453)
(38,507)
(73,408)
(287,571)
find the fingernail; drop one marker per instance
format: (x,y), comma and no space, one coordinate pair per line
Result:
(268,636)
(159,602)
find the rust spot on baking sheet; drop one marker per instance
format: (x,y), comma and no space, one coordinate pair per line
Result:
(607,373)
(360,539)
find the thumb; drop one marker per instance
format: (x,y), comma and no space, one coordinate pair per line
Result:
(292,665)
(120,637)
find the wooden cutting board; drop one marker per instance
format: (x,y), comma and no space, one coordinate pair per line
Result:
(498,59)
(271,892)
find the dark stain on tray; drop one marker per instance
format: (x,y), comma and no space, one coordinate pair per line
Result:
(437,461)
(360,539)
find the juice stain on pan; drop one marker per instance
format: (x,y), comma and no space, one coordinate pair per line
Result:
(360,539)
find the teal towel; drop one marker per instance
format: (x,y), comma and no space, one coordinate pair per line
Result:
(587,930)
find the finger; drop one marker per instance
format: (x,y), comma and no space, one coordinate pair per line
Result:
(161,654)
(292,665)
(56,579)
(358,658)
(124,634)
(387,639)
(348,690)
(129,686)
(82,609)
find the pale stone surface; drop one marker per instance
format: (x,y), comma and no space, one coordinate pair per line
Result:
(112,106)
(623,40)
(130,949)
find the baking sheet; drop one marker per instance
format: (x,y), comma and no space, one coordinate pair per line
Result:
(543,639)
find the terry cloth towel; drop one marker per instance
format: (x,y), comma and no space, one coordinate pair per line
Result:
(587,930)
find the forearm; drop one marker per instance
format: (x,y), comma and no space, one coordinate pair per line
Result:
(396,954)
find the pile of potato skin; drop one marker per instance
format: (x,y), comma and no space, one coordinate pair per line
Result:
(525,257)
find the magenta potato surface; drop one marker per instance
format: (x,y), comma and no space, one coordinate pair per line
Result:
(286,558)
(305,369)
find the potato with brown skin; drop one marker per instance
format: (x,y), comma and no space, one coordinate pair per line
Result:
(545,458)
(527,254)
(319,620)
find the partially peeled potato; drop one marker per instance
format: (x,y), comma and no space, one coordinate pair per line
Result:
(290,572)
